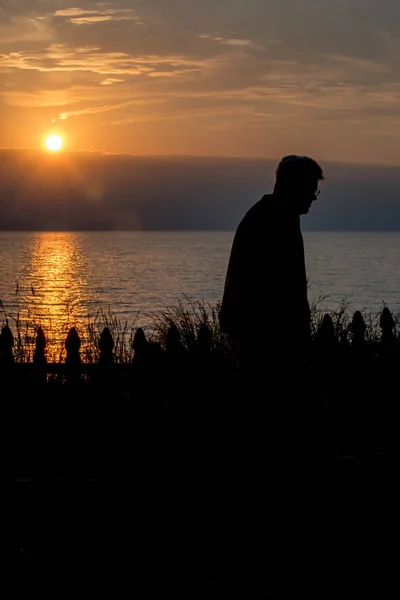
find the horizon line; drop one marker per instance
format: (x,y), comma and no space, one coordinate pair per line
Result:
(189,156)
(305,230)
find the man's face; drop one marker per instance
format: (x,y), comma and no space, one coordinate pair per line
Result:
(307,194)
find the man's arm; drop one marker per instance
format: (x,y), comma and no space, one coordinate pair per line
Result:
(231,313)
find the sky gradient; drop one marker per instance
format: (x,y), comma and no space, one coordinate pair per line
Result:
(245,78)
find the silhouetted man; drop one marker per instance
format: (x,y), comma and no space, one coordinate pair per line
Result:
(265,308)
(266,313)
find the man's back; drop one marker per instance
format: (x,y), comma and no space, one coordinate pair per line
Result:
(265,293)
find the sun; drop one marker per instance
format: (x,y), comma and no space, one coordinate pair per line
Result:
(54,143)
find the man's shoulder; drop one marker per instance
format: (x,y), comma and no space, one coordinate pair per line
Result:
(259,210)
(264,204)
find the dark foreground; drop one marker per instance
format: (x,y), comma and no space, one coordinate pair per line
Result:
(105,495)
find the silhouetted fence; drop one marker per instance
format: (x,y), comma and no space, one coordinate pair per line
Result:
(149,357)
(327,351)
(97,409)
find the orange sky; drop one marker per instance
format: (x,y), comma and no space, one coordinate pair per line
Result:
(208,77)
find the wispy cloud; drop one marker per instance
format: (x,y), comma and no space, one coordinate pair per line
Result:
(96,19)
(59,57)
(77,12)
(239,42)
(95,110)
(360,64)
(190,113)
(112,81)
(230,41)
(25,29)
(45,98)
(82,16)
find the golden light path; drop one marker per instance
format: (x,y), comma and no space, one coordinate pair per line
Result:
(57,277)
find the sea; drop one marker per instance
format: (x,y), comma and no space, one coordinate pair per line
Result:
(63,279)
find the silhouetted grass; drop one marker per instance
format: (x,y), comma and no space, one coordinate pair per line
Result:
(25,331)
(122,333)
(188,315)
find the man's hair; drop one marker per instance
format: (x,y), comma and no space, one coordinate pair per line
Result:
(294,169)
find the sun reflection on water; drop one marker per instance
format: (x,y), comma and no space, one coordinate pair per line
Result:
(58,285)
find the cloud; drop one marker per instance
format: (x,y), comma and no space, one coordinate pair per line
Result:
(59,57)
(210,113)
(81,16)
(112,81)
(87,20)
(95,110)
(25,30)
(229,41)
(78,12)
(239,42)
(360,64)
(265,75)
(42,98)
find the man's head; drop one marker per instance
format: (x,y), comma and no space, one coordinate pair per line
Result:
(297,180)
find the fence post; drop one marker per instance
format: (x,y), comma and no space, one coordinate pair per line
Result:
(325,345)
(387,325)
(173,342)
(388,350)
(6,346)
(139,345)
(327,377)
(204,374)
(204,340)
(104,374)
(389,345)
(39,357)
(73,359)
(358,328)
(176,392)
(139,367)
(326,332)
(106,347)
(361,388)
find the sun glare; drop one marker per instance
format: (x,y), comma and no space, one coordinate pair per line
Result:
(54,143)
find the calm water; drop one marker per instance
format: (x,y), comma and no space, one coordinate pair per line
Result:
(61,278)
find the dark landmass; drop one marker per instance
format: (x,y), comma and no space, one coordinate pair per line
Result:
(94,191)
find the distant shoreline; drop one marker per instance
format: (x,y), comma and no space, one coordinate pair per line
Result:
(305,230)
(101,192)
